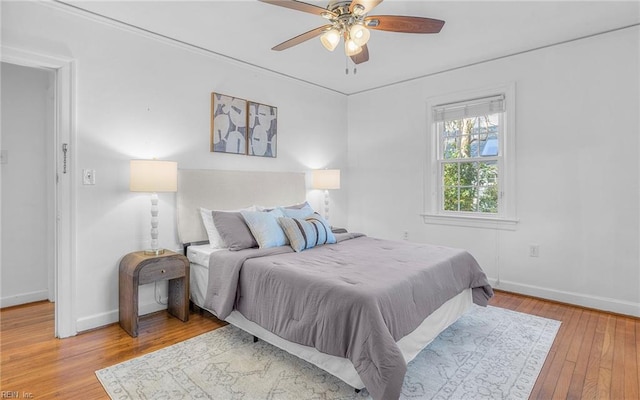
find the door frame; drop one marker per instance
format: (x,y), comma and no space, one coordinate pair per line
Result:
(65,188)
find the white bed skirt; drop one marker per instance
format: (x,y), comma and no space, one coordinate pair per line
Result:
(410,345)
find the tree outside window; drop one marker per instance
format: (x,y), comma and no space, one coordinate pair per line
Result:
(470,147)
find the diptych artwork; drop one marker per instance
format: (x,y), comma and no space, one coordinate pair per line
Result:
(239,126)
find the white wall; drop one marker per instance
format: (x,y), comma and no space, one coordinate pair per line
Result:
(27,242)
(141,97)
(577,124)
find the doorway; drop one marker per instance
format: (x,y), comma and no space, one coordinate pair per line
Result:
(28,185)
(60,283)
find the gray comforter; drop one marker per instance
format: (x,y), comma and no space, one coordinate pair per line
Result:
(353,299)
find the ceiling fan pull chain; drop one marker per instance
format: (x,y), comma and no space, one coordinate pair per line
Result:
(346,67)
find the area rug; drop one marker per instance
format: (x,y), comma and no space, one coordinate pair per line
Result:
(489,353)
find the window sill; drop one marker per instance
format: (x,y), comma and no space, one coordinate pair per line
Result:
(471,221)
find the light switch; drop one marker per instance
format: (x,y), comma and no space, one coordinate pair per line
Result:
(88,176)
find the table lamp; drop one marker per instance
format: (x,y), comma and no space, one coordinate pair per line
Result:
(153,176)
(326,179)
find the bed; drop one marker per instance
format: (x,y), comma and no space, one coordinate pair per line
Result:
(361,327)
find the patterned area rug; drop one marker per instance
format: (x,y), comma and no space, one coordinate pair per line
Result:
(489,353)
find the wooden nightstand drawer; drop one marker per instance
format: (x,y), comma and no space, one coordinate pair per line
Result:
(159,271)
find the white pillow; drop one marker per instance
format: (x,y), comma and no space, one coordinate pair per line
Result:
(215,240)
(265,228)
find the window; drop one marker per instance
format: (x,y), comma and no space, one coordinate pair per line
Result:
(471,164)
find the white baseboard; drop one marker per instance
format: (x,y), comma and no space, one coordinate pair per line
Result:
(24,298)
(580,299)
(110,317)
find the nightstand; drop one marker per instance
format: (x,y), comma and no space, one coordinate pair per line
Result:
(138,269)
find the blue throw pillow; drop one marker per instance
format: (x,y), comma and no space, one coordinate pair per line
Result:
(265,228)
(299,213)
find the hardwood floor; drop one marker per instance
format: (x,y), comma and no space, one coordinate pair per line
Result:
(596,355)
(33,361)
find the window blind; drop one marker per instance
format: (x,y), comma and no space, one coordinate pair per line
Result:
(469,108)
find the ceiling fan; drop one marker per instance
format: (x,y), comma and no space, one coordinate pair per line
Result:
(348,20)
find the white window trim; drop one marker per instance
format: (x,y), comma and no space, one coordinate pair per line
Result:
(507,219)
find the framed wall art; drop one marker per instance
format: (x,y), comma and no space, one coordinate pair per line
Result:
(228,124)
(263,130)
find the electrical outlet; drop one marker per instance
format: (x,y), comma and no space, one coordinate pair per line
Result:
(88,176)
(405,235)
(534,250)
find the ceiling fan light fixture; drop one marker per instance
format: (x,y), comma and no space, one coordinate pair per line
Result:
(351,48)
(358,10)
(359,34)
(330,39)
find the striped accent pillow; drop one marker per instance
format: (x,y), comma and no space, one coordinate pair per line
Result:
(307,233)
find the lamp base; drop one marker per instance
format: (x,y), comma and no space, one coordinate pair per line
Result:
(157,252)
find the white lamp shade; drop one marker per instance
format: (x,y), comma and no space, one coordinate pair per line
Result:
(153,176)
(326,179)
(330,39)
(351,48)
(359,34)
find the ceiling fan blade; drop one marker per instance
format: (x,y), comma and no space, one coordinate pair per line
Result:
(300,6)
(301,38)
(361,57)
(367,4)
(400,23)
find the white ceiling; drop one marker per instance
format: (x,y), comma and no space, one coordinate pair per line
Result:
(475,31)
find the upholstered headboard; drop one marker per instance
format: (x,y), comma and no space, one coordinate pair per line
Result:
(227,190)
